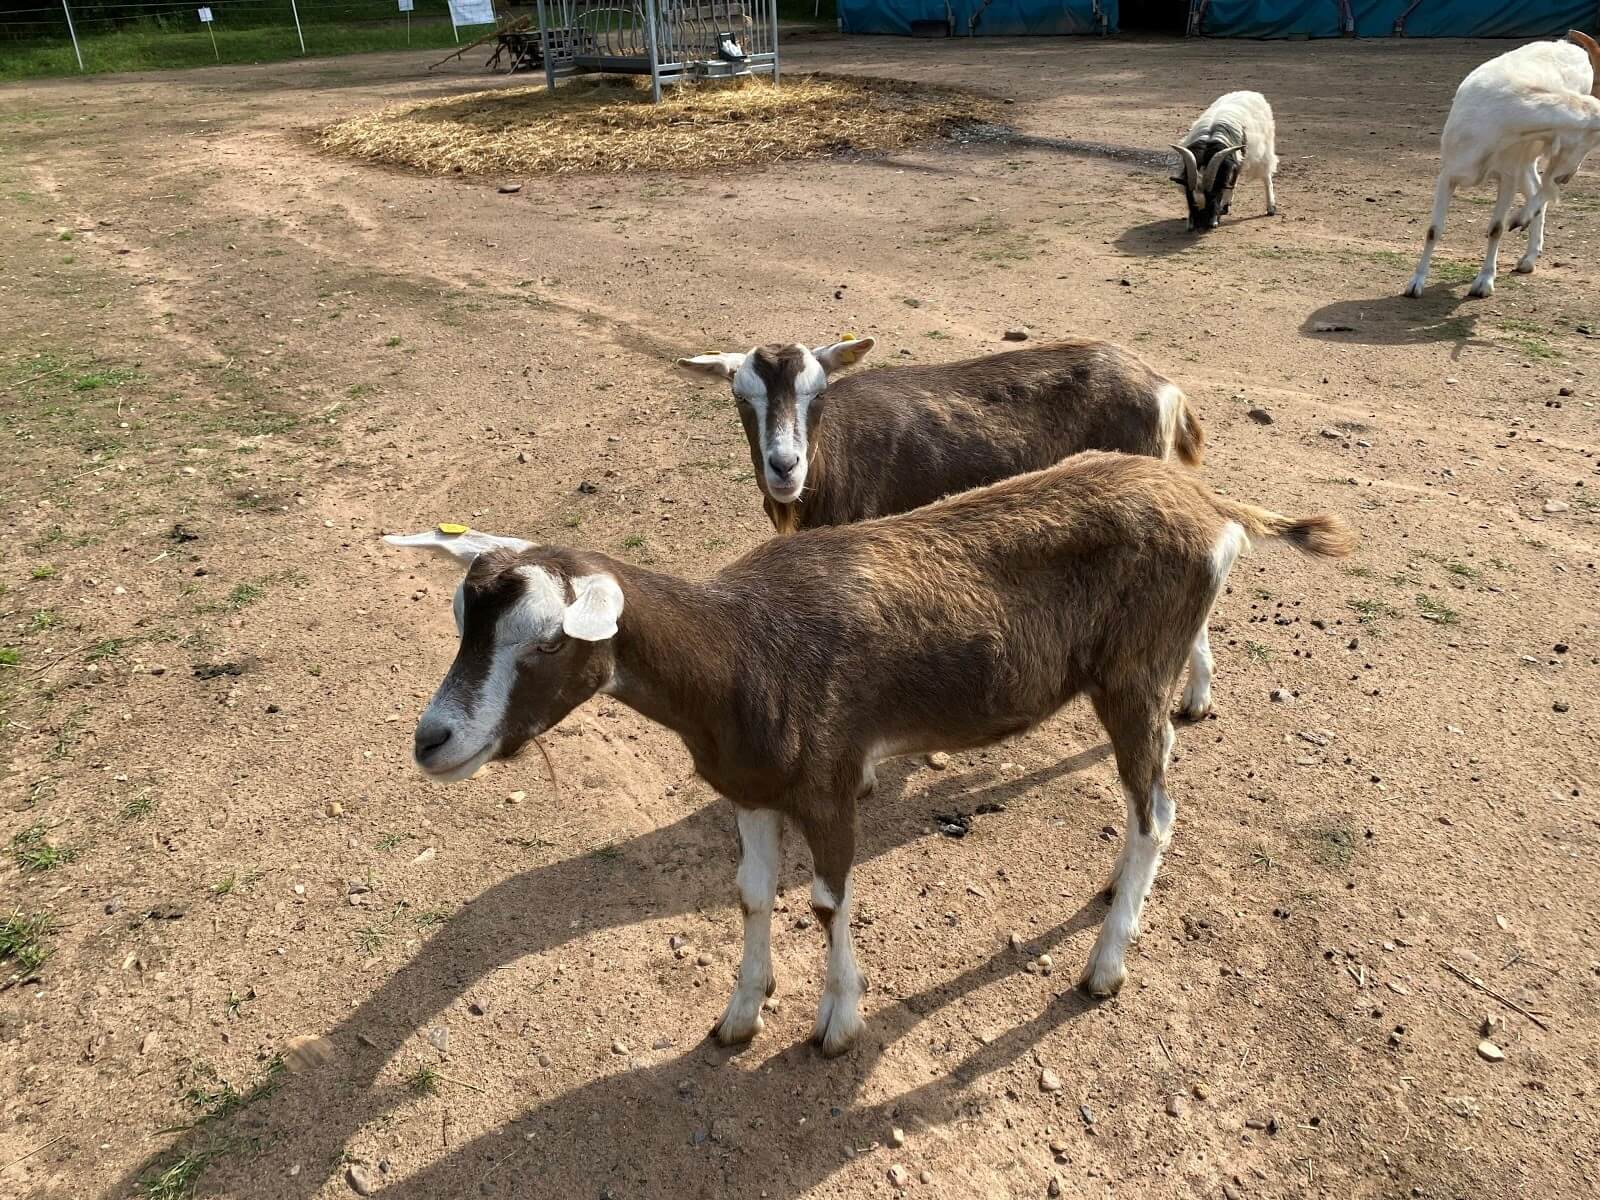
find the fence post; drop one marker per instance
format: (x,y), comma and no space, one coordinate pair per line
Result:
(74,32)
(772,9)
(295,9)
(454,28)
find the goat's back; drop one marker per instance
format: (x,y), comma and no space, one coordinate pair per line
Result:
(898,438)
(984,612)
(1476,139)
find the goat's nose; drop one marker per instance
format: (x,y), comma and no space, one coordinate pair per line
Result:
(430,739)
(783,463)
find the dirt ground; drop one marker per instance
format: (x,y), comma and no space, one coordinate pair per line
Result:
(227,364)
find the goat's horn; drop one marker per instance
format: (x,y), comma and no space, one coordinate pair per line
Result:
(1215,165)
(1191,169)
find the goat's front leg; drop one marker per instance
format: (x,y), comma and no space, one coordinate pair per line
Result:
(760,852)
(1483,285)
(1272,197)
(833,850)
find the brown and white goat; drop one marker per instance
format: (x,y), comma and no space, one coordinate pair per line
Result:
(795,670)
(897,439)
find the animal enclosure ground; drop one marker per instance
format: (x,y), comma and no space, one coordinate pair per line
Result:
(254,954)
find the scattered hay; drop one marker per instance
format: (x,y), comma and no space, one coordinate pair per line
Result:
(609,125)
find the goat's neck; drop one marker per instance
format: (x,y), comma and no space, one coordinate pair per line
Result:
(676,655)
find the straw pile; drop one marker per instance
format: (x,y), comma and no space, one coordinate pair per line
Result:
(609,125)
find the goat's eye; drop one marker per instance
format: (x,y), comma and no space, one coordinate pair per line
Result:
(741,402)
(548,647)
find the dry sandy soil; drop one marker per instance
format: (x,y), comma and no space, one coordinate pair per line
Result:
(207,325)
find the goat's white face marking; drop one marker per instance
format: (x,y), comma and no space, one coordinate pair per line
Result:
(777,389)
(503,622)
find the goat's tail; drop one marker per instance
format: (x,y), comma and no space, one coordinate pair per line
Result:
(1324,534)
(1181,434)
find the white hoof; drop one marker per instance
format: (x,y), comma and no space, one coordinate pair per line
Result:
(1525,266)
(1104,976)
(1481,288)
(1414,289)
(1272,210)
(741,1022)
(838,1022)
(1196,702)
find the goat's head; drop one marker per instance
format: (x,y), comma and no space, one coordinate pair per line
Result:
(779,391)
(1207,173)
(1592,48)
(535,626)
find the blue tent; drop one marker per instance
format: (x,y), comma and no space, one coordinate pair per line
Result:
(1228,18)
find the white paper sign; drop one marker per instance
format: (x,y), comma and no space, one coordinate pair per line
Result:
(205,16)
(405,5)
(472,12)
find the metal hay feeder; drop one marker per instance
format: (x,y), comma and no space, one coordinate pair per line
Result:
(668,40)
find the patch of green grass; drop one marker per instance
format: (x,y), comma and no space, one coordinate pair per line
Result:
(1534,347)
(23,945)
(390,840)
(392,342)
(634,541)
(178,1179)
(45,571)
(936,334)
(1437,611)
(33,853)
(430,917)
(237,1002)
(370,940)
(1462,569)
(10,656)
(610,852)
(42,619)
(1257,652)
(141,804)
(64,236)
(1334,846)
(1358,571)
(107,648)
(243,595)
(424,1081)
(233,881)
(93,381)
(1369,610)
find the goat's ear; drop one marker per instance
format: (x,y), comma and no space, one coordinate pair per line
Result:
(596,605)
(457,542)
(843,354)
(720,366)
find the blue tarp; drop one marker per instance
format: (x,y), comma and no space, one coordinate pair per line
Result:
(1376,18)
(1001,18)
(1234,18)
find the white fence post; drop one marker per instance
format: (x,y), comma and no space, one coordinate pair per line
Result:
(74,32)
(295,9)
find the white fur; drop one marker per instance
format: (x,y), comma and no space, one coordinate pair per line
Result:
(1231,542)
(1526,120)
(1251,115)
(761,836)
(839,1013)
(1169,408)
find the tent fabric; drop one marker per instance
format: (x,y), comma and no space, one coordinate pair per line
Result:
(999,18)
(1376,18)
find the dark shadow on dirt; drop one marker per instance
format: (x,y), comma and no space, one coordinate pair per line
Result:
(683,867)
(1396,320)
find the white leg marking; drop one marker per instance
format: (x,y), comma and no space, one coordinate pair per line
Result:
(1202,666)
(839,1013)
(761,835)
(1272,198)
(1106,971)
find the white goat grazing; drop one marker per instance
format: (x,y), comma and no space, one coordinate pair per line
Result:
(1525,119)
(1231,140)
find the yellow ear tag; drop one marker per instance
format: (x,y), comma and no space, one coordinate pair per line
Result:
(447,527)
(847,337)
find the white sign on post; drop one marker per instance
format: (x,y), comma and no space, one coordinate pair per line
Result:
(472,12)
(205,16)
(405,5)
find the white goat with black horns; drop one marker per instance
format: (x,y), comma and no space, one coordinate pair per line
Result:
(1231,140)
(1526,120)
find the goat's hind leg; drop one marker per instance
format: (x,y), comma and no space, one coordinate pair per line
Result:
(760,853)
(833,850)
(1483,285)
(1142,738)
(1442,191)
(1196,701)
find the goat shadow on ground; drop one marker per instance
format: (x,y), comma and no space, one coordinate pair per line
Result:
(1396,320)
(679,868)
(1171,235)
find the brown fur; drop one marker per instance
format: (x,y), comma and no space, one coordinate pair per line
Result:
(791,672)
(898,438)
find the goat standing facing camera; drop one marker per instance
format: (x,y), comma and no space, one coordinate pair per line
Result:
(1231,141)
